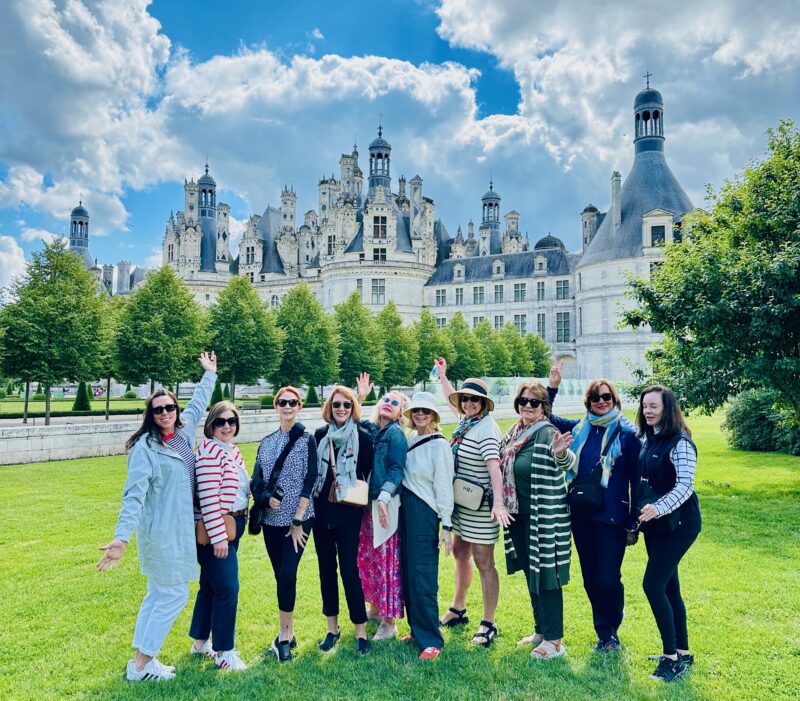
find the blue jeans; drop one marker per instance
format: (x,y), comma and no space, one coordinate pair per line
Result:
(218,597)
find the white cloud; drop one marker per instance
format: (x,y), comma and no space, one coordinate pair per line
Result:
(32,234)
(316,34)
(155,259)
(12,261)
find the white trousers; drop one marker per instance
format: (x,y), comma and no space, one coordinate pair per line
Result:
(158,612)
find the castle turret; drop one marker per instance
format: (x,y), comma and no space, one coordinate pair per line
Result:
(380,152)
(79,234)
(123,277)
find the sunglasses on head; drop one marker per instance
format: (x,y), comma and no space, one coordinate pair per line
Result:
(220,422)
(524,401)
(389,400)
(339,405)
(288,402)
(606,397)
(421,410)
(158,410)
(464,398)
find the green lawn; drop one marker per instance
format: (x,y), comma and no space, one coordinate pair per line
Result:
(65,629)
(98,404)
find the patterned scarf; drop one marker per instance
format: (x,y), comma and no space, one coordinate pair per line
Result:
(514,441)
(345,439)
(581,432)
(461,430)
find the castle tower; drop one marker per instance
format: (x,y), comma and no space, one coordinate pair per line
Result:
(79,234)
(380,152)
(490,220)
(588,225)
(108,277)
(207,202)
(123,277)
(288,208)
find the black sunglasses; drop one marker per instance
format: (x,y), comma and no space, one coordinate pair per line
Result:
(339,405)
(421,410)
(158,410)
(606,397)
(535,403)
(464,398)
(289,402)
(220,422)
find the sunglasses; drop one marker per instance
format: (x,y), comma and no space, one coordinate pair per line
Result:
(420,410)
(524,401)
(389,400)
(158,410)
(606,397)
(464,398)
(220,422)
(288,402)
(340,405)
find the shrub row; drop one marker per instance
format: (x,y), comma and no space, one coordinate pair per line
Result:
(752,422)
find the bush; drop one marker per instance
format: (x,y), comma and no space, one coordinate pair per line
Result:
(2,393)
(10,389)
(128,387)
(752,422)
(81,402)
(311,397)
(89,393)
(216,395)
(130,394)
(226,392)
(266,401)
(371,398)
(38,397)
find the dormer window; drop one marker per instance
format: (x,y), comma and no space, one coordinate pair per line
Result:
(658,235)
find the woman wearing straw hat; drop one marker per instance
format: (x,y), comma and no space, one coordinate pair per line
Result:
(476,521)
(427,498)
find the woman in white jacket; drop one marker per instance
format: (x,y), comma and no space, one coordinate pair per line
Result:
(427,498)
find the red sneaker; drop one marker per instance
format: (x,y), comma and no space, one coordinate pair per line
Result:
(430,653)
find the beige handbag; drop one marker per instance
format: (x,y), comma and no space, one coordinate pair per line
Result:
(202,534)
(468,493)
(356,495)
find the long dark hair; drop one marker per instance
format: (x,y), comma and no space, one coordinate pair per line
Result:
(148,427)
(672,420)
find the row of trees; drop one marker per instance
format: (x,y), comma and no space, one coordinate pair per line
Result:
(57,327)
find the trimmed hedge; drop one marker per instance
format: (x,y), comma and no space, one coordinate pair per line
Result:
(312,399)
(752,422)
(129,394)
(266,401)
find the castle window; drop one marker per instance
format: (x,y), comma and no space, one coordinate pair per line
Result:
(521,323)
(498,268)
(360,288)
(441,298)
(170,252)
(658,235)
(677,234)
(441,322)
(540,265)
(379,255)
(331,244)
(540,290)
(274,302)
(477,320)
(562,327)
(379,291)
(498,294)
(562,289)
(477,295)
(379,227)
(249,255)
(499,320)
(252,277)
(361,256)
(580,321)
(459,296)
(520,291)
(540,325)
(459,273)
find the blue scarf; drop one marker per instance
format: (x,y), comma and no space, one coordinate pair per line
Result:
(581,432)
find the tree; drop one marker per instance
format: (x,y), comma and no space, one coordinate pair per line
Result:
(432,343)
(245,334)
(226,392)
(361,346)
(727,298)
(216,394)
(109,366)
(469,360)
(401,346)
(81,402)
(311,349)
(50,325)
(496,355)
(539,353)
(162,331)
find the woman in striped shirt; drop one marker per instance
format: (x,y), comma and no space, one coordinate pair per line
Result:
(670,519)
(535,459)
(219,472)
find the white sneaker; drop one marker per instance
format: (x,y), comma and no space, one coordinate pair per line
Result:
(206,650)
(153,671)
(385,632)
(230,660)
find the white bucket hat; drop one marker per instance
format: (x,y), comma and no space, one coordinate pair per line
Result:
(423,400)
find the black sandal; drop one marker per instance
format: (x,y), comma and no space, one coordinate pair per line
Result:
(487,636)
(460,619)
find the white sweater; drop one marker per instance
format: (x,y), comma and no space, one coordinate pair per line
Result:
(429,474)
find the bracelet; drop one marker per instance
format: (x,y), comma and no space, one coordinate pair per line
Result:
(297,523)
(447,528)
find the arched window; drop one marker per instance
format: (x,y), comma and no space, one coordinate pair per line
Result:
(274,302)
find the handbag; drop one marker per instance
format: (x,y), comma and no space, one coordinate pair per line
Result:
(355,495)
(661,525)
(585,494)
(202,534)
(468,493)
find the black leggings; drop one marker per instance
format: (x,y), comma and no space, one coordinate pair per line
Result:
(342,540)
(663,588)
(285,562)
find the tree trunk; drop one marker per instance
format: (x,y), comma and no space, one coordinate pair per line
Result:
(47,405)
(178,391)
(321,400)
(27,398)
(233,385)
(108,398)
(152,386)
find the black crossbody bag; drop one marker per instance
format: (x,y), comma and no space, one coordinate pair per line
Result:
(585,494)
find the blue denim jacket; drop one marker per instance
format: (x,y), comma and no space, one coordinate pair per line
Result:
(390,458)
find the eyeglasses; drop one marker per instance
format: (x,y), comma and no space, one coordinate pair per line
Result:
(339,405)
(288,402)
(606,397)
(524,401)
(220,422)
(464,398)
(158,410)
(421,410)
(389,400)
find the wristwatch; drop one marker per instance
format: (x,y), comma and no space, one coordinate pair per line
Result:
(447,528)
(297,523)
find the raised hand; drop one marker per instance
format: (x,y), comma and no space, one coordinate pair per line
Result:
(113,553)
(556,368)
(364,386)
(209,361)
(442,365)
(561,441)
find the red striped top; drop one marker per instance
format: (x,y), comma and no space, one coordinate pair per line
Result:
(217,481)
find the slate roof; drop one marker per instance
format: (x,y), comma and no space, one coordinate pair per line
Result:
(268,228)
(517,265)
(208,245)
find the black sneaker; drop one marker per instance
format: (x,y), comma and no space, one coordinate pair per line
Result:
(669,670)
(330,641)
(610,645)
(688,660)
(282,650)
(273,648)
(363,646)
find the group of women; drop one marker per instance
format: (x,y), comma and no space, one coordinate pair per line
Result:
(382,497)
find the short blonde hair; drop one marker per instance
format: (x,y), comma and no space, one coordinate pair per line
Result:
(594,386)
(287,390)
(539,391)
(349,395)
(214,413)
(403,421)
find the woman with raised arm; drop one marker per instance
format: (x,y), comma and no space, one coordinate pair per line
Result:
(535,458)
(669,517)
(379,553)
(157,503)
(345,455)
(476,526)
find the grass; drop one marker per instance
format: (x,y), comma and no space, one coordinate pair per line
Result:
(98,404)
(65,629)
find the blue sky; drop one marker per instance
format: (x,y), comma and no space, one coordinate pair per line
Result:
(118,102)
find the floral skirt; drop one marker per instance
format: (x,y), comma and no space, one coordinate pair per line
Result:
(381,574)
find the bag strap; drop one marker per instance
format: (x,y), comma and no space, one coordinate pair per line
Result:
(614,433)
(294,436)
(427,439)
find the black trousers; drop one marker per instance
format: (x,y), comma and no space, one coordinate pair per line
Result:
(663,588)
(419,545)
(342,541)
(285,562)
(218,596)
(547,604)
(601,548)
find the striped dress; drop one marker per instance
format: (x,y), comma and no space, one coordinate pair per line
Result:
(481,443)
(545,516)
